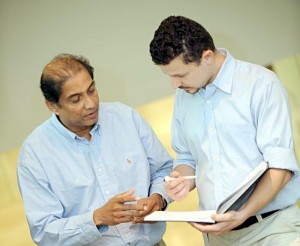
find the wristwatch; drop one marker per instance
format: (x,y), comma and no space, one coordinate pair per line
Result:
(165,204)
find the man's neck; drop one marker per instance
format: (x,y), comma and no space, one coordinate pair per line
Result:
(219,60)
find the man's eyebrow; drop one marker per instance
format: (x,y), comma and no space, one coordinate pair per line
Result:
(76,94)
(92,84)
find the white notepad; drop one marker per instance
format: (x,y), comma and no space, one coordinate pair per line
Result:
(232,202)
(187,216)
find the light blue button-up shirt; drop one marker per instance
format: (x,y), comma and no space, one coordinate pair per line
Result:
(226,129)
(63,178)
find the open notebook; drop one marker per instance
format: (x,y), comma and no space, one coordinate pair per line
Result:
(232,202)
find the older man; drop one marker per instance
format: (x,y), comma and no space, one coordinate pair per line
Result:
(90,173)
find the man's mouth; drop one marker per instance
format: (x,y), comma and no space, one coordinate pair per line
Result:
(92,115)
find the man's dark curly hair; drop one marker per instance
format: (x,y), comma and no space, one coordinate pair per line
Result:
(62,68)
(177,36)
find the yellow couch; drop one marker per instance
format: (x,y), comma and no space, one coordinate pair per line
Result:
(13,225)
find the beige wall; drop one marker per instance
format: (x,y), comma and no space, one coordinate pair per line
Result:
(115,35)
(288,69)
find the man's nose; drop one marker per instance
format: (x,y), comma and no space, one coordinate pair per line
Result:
(89,103)
(175,82)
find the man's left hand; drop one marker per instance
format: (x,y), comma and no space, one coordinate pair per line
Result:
(224,223)
(151,204)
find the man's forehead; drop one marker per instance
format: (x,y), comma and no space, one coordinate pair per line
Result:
(77,84)
(177,67)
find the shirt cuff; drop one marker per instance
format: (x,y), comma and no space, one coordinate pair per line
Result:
(90,230)
(281,158)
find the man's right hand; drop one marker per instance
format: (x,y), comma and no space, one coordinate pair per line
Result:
(119,209)
(179,188)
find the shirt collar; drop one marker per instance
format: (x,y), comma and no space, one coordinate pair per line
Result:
(69,134)
(225,76)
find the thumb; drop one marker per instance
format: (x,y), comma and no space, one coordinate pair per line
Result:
(175,174)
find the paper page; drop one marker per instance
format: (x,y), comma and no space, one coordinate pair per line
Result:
(242,193)
(187,216)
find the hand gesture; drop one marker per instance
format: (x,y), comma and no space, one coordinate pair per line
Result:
(179,188)
(150,204)
(119,209)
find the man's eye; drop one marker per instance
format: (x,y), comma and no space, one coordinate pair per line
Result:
(75,100)
(91,90)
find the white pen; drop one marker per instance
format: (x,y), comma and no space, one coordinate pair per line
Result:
(168,178)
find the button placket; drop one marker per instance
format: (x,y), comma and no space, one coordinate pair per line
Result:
(214,148)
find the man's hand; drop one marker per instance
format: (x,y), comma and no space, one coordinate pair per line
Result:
(179,188)
(119,209)
(224,223)
(150,204)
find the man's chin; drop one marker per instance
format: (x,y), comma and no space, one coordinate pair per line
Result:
(191,91)
(93,121)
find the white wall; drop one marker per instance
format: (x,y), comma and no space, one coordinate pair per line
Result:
(115,35)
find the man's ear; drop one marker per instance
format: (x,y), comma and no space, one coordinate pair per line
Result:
(208,56)
(52,107)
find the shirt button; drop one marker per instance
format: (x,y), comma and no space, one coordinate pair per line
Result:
(99,170)
(208,102)
(107,192)
(216,157)
(211,129)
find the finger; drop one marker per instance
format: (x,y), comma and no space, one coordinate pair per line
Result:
(153,206)
(174,187)
(126,214)
(143,201)
(133,207)
(141,220)
(124,204)
(176,182)
(149,209)
(123,219)
(174,174)
(126,193)
(209,228)
(138,220)
(229,216)
(199,226)
(126,197)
